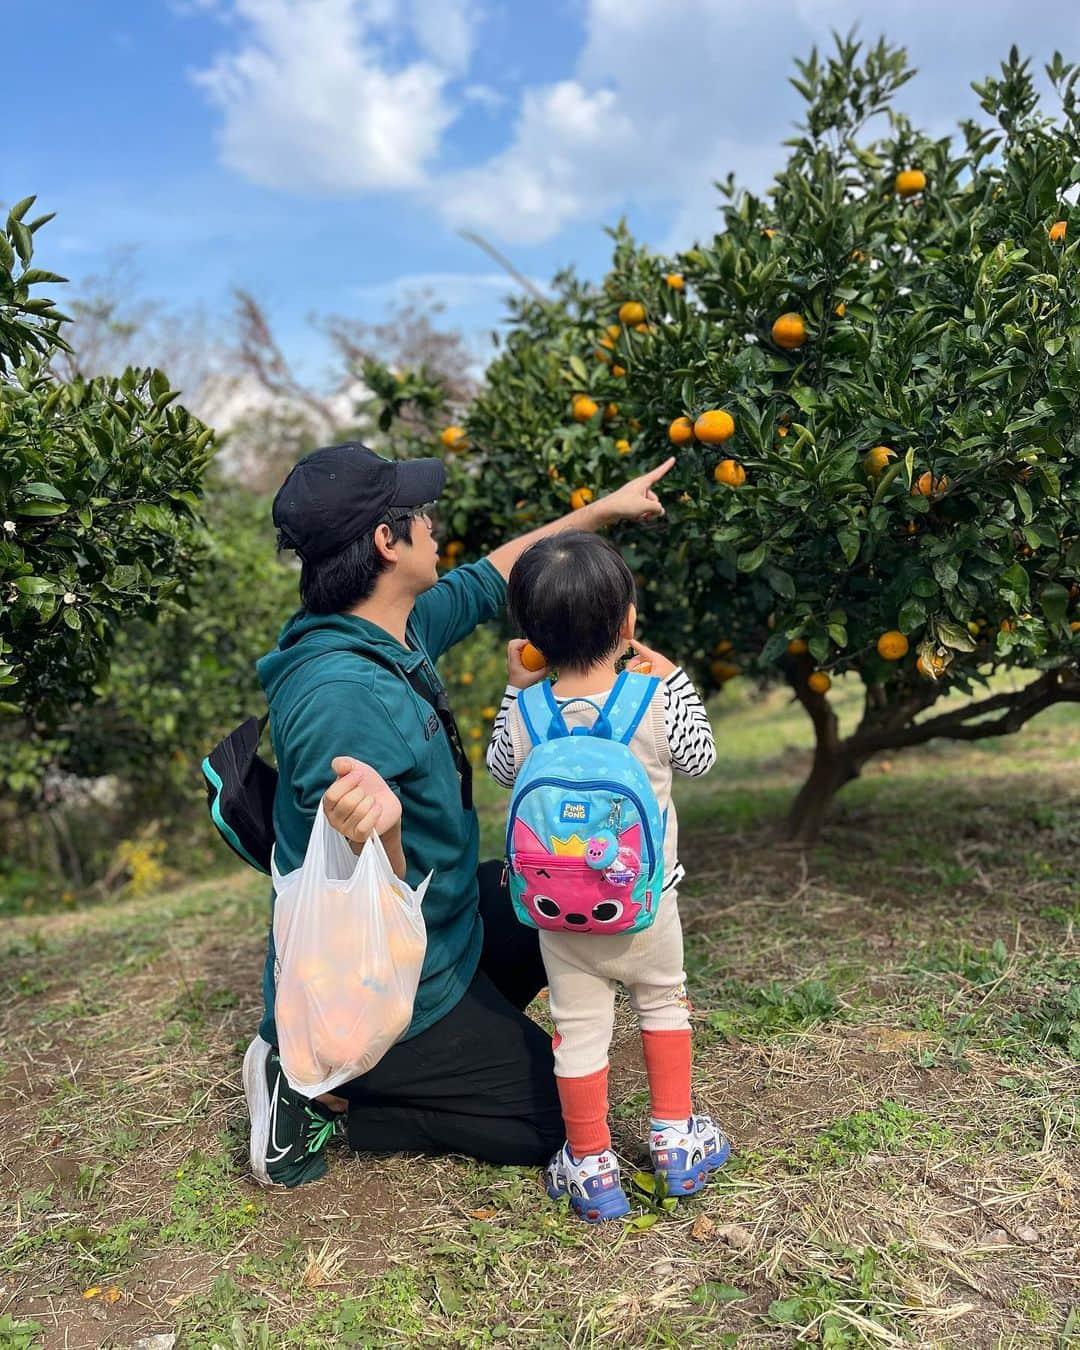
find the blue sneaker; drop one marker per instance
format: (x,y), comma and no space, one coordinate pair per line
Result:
(685,1156)
(592,1183)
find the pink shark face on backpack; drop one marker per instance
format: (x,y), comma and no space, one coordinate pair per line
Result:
(572,900)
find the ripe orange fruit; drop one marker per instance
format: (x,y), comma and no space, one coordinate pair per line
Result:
(675,281)
(601,354)
(875,461)
(769,234)
(1007,625)
(730,472)
(611,411)
(631,312)
(623,447)
(580,497)
(467,677)
(1057,231)
(644,669)
(840,310)
(713,428)
(453,438)
(722,671)
(681,431)
(789,331)
(614,331)
(532,658)
(798,647)
(926,485)
(913,527)
(455,548)
(1074,627)
(857,255)
(618,371)
(893,645)
(909,181)
(489,712)
(923,669)
(583,408)
(723,647)
(819,682)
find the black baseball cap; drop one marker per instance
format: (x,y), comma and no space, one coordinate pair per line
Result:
(335,495)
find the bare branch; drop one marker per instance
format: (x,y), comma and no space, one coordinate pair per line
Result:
(504,263)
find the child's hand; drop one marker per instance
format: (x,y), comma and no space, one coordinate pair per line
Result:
(658,665)
(517,674)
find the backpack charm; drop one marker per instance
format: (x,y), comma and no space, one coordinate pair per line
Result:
(601,850)
(585,834)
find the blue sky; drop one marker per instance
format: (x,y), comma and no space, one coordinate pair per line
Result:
(324,153)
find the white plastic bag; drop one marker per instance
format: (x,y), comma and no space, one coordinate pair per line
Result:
(350,941)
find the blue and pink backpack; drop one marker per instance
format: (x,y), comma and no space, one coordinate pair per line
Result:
(585,834)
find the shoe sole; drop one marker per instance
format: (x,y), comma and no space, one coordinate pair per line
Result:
(680,1184)
(613,1206)
(258,1103)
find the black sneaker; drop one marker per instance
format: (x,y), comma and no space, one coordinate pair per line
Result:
(288,1131)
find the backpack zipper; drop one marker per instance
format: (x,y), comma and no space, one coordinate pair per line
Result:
(587,786)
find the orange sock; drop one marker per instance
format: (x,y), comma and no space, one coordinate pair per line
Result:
(667,1063)
(584,1108)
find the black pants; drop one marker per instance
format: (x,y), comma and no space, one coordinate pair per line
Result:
(481,1081)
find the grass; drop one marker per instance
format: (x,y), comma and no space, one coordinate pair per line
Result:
(889,1025)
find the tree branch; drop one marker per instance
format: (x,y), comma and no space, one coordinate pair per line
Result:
(1055,686)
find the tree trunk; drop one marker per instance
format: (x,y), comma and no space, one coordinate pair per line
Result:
(836,762)
(834,765)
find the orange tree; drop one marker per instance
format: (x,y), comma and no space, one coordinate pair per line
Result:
(871,379)
(100,482)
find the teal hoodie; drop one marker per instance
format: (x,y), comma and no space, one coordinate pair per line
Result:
(325,700)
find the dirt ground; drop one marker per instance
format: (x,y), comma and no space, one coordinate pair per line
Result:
(887,1025)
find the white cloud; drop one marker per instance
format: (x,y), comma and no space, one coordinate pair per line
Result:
(314,99)
(454,290)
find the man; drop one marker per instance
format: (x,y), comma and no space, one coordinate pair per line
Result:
(357,727)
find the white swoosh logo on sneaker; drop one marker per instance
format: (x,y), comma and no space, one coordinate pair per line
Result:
(281,1152)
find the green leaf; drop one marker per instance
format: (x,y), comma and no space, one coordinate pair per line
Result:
(952,635)
(780,581)
(44,490)
(40,509)
(849,544)
(787,1312)
(912,615)
(34,586)
(713,1292)
(71,617)
(1024,498)
(752,559)
(1015,581)
(1054,601)
(577,368)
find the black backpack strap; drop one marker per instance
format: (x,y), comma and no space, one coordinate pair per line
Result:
(437,698)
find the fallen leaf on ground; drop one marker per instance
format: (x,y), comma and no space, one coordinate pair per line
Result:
(704,1230)
(482,1213)
(735,1235)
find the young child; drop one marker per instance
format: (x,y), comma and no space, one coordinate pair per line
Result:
(573,597)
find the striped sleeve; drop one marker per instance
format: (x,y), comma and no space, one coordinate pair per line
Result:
(500,757)
(690,736)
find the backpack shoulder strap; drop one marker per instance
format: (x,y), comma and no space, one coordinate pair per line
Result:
(541,713)
(628,702)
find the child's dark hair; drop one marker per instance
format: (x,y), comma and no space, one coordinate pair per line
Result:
(569,594)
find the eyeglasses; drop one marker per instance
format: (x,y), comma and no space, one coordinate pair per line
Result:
(399,515)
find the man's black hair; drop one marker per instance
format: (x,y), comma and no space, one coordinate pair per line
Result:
(569,595)
(335,584)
